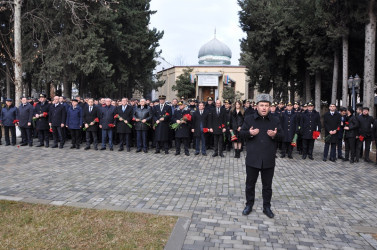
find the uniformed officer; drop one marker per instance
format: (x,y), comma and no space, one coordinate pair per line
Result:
(310,121)
(182,133)
(41,113)
(161,116)
(289,123)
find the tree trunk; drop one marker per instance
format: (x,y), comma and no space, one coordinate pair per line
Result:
(318,91)
(67,87)
(345,71)
(308,95)
(8,80)
(370,59)
(17,52)
(335,77)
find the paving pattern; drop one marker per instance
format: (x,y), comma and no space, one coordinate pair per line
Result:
(317,205)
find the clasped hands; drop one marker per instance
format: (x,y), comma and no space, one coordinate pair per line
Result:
(254,131)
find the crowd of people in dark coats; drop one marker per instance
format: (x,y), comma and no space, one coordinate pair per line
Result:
(145,124)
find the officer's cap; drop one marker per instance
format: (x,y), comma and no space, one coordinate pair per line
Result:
(209,98)
(43,95)
(162,97)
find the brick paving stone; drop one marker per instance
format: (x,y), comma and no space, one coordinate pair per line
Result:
(317,205)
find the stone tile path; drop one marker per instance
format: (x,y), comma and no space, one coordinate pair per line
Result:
(317,204)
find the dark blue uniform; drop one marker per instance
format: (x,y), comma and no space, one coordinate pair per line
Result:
(289,123)
(310,121)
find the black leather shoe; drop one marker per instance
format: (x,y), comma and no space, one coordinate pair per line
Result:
(282,156)
(324,159)
(139,150)
(145,151)
(77,146)
(267,211)
(177,153)
(72,147)
(333,160)
(345,159)
(47,146)
(204,154)
(111,149)
(290,157)
(166,152)
(311,157)
(222,155)
(87,148)
(157,152)
(187,153)
(39,145)
(196,153)
(247,210)
(62,146)
(367,160)
(55,146)
(121,149)
(103,148)
(128,150)
(214,155)
(23,144)
(95,148)
(303,157)
(341,157)
(352,161)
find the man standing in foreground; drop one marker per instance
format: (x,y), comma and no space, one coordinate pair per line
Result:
(260,130)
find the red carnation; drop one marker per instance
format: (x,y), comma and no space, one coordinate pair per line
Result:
(347,123)
(166,114)
(45,114)
(338,128)
(205,130)
(134,119)
(50,130)
(111,125)
(316,134)
(96,120)
(187,117)
(16,121)
(361,138)
(116,116)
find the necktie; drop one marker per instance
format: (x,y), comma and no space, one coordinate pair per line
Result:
(332,113)
(90,109)
(56,105)
(218,111)
(123,108)
(161,107)
(201,112)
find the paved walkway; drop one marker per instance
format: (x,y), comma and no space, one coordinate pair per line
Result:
(317,204)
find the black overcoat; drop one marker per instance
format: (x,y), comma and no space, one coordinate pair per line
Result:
(289,125)
(89,117)
(332,122)
(198,122)
(183,130)
(42,122)
(261,149)
(25,115)
(162,129)
(121,126)
(310,121)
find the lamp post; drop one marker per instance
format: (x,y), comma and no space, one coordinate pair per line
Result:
(354,83)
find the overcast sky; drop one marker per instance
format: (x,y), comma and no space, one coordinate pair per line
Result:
(189,24)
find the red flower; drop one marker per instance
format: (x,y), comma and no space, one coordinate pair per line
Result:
(166,114)
(347,123)
(50,130)
(116,116)
(187,117)
(222,125)
(111,125)
(293,144)
(45,114)
(35,104)
(205,130)
(16,121)
(316,134)
(338,128)
(134,119)
(96,120)
(361,138)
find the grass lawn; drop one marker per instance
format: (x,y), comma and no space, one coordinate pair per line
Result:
(24,225)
